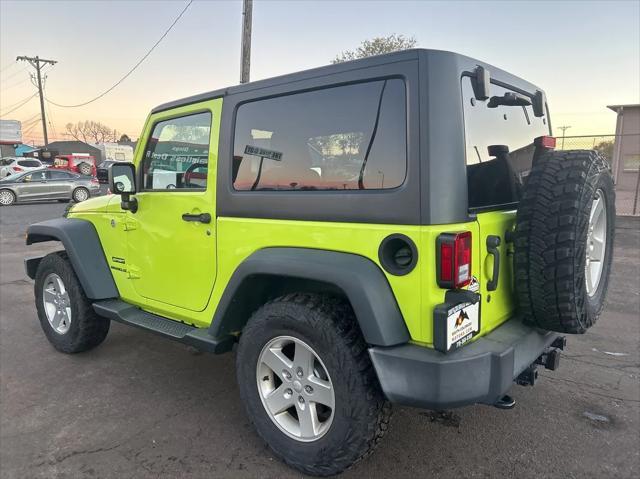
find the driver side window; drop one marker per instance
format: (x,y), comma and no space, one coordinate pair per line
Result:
(177,154)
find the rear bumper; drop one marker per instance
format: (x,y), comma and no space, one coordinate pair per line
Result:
(480,372)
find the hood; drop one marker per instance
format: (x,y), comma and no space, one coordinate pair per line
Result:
(98,204)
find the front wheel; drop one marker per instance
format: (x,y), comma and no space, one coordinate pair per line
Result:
(308,384)
(66,315)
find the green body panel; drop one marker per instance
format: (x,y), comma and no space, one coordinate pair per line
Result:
(180,269)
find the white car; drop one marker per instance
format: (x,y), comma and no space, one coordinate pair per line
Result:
(12,165)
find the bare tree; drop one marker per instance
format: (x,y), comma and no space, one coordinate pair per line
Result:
(90,131)
(377,46)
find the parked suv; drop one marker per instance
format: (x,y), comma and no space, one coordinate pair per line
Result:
(397,229)
(82,164)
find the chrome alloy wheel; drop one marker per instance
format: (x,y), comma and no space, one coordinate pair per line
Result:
(57,305)
(80,195)
(295,388)
(6,198)
(596,242)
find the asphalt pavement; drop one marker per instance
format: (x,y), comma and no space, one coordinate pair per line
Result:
(140,406)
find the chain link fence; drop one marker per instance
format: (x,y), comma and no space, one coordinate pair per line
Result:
(623,153)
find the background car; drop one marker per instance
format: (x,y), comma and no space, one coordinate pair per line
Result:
(12,165)
(103,170)
(83,164)
(47,184)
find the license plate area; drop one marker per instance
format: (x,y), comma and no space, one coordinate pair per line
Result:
(457,320)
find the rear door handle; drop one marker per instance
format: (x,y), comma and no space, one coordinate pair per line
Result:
(492,248)
(199,218)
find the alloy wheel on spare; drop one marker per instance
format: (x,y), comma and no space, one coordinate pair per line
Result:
(57,305)
(295,388)
(7,198)
(596,243)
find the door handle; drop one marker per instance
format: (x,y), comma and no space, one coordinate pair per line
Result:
(492,248)
(198,218)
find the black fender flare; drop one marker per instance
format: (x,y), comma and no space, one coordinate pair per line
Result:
(82,244)
(358,278)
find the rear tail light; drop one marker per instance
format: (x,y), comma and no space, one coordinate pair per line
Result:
(454,259)
(17,168)
(95,180)
(548,142)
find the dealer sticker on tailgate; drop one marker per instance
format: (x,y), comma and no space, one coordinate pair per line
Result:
(462,324)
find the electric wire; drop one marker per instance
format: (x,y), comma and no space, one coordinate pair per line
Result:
(20,105)
(131,70)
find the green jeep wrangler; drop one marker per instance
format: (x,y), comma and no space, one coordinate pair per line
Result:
(397,229)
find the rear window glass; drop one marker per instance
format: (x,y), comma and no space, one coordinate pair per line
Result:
(29,163)
(497,180)
(342,138)
(60,175)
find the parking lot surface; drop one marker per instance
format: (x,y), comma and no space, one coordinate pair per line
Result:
(140,406)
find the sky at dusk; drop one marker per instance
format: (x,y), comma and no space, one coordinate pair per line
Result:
(585,54)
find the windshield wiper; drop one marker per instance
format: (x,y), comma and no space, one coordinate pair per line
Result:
(509,99)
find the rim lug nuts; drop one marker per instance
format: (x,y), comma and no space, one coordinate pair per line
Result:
(301,400)
(287,375)
(308,389)
(299,372)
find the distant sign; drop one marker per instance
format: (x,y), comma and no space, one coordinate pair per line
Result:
(10,131)
(263,153)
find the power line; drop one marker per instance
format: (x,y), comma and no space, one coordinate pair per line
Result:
(15,84)
(132,69)
(20,105)
(15,73)
(5,68)
(14,104)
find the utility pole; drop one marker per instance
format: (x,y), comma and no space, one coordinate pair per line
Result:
(37,62)
(245,60)
(563,128)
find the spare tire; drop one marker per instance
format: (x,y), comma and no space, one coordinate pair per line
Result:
(564,240)
(84,169)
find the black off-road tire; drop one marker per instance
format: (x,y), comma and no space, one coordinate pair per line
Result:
(551,240)
(87,330)
(361,414)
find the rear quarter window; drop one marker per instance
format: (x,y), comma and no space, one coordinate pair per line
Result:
(349,137)
(493,182)
(29,163)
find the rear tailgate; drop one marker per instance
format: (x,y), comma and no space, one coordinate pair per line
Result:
(495,283)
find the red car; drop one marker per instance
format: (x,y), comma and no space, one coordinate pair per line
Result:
(85,165)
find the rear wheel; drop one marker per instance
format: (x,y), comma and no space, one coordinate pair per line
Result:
(308,385)
(7,197)
(80,194)
(66,315)
(564,240)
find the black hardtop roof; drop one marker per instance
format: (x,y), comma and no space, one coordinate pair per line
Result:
(399,56)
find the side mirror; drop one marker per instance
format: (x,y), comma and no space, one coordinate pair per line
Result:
(122,181)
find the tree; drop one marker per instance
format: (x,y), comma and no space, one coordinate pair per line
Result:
(90,131)
(605,148)
(377,46)
(124,138)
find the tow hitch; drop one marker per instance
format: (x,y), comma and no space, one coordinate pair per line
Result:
(550,359)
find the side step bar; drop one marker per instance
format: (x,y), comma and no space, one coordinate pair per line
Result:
(126,313)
